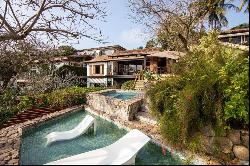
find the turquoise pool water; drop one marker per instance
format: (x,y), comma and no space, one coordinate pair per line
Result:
(35,152)
(121,95)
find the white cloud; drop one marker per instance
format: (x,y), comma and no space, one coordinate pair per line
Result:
(133,36)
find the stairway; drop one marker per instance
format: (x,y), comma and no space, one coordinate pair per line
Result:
(139,85)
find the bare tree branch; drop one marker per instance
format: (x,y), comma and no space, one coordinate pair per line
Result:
(65,18)
(4,15)
(177,20)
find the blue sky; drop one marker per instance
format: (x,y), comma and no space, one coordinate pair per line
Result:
(119,29)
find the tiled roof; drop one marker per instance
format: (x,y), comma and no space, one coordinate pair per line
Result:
(102,58)
(129,55)
(168,54)
(117,47)
(235,31)
(136,52)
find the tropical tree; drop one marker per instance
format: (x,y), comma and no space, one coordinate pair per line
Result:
(151,44)
(214,11)
(244,3)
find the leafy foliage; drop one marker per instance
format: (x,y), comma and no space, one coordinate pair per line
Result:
(148,75)
(151,43)
(62,98)
(244,25)
(66,50)
(236,92)
(211,89)
(215,10)
(128,85)
(7,104)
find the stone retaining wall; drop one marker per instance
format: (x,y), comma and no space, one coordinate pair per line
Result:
(231,147)
(126,109)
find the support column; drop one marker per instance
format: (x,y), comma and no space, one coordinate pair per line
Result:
(145,62)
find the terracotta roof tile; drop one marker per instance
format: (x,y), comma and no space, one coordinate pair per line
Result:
(102,58)
(235,31)
(134,52)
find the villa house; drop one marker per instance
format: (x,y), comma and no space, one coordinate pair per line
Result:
(76,61)
(237,36)
(79,58)
(99,51)
(109,70)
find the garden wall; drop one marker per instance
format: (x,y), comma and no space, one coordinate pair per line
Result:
(232,146)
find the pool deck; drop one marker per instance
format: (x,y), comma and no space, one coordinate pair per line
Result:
(10,137)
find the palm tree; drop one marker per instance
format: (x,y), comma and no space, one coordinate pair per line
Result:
(244,3)
(215,11)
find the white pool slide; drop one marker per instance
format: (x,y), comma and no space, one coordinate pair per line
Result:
(82,128)
(122,152)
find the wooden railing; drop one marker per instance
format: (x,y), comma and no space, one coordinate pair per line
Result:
(138,76)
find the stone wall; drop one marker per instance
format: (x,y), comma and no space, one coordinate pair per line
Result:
(126,109)
(230,147)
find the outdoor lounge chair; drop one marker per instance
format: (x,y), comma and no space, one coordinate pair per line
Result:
(82,128)
(122,152)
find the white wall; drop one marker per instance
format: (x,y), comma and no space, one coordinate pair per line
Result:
(101,63)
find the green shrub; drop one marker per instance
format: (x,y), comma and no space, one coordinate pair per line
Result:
(148,75)
(57,99)
(234,77)
(25,103)
(128,85)
(6,113)
(69,96)
(161,92)
(8,104)
(211,89)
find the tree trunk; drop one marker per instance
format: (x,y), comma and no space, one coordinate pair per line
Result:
(184,42)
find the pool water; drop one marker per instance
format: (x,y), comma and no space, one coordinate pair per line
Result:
(121,95)
(35,152)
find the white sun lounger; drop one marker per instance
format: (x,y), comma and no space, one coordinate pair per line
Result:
(122,152)
(82,128)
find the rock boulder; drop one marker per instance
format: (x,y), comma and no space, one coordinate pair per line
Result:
(234,136)
(241,152)
(224,144)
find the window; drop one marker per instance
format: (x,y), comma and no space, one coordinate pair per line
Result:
(97,69)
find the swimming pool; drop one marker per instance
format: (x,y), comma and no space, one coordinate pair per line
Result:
(121,95)
(34,151)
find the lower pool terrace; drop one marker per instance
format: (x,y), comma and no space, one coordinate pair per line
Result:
(35,152)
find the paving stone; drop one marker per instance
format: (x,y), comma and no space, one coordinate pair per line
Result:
(2,162)
(13,162)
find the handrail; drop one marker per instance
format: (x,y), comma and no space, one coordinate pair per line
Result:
(138,76)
